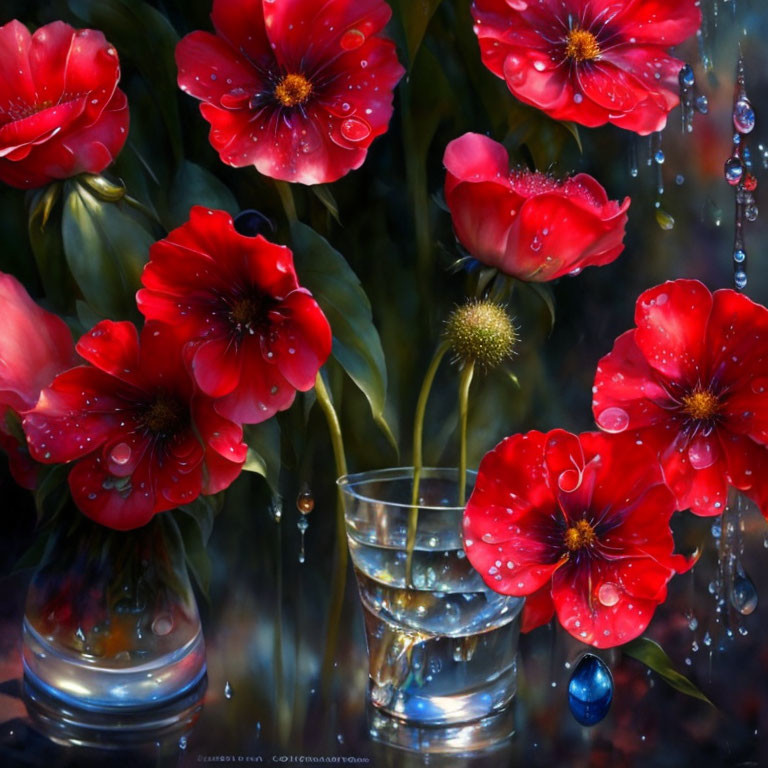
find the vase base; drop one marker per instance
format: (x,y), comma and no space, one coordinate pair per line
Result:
(83,683)
(487,734)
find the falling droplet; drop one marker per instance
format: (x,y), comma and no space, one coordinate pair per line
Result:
(355,129)
(183,743)
(228,690)
(743,116)
(302,525)
(743,594)
(665,220)
(687,77)
(751,213)
(659,157)
(734,170)
(590,690)
(740,280)
(739,256)
(276,509)
(707,639)
(305,502)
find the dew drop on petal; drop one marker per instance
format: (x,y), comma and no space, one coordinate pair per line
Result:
(351,39)
(121,453)
(701,454)
(743,594)
(355,129)
(608,594)
(613,420)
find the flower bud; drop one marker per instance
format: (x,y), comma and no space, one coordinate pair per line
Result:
(481,332)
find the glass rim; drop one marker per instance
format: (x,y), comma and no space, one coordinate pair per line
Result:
(348,484)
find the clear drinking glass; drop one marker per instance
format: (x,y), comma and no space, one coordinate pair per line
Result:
(442,646)
(111,620)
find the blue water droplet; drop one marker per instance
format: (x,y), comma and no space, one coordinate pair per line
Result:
(743,594)
(659,157)
(590,690)
(751,212)
(734,170)
(702,104)
(687,78)
(740,280)
(739,256)
(743,116)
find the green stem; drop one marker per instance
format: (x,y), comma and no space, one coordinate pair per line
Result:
(286,198)
(418,435)
(465,381)
(339,579)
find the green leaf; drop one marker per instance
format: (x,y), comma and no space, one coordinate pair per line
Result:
(106,249)
(654,657)
(356,342)
(44,229)
(194,185)
(415,16)
(146,38)
(195,524)
(263,441)
(544,292)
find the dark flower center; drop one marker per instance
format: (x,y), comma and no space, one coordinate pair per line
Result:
(579,536)
(293,90)
(166,416)
(701,405)
(581,45)
(247,313)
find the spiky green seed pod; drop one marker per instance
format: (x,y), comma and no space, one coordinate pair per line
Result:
(481,332)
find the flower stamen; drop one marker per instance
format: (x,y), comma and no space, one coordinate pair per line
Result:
(165,416)
(579,536)
(581,45)
(701,405)
(293,90)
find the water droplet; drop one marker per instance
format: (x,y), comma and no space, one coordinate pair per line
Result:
(351,39)
(659,156)
(739,256)
(302,525)
(608,594)
(665,220)
(228,693)
(163,624)
(743,594)
(613,420)
(707,639)
(743,116)
(590,690)
(701,454)
(751,213)
(305,502)
(121,453)
(740,280)
(183,742)
(276,509)
(355,129)
(702,104)
(686,76)
(734,170)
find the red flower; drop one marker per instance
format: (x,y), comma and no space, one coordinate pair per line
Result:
(142,439)
(297,88)
(580,524)
(528,224)
(61,112)
(690,382)
(35,345)
(590,61)
(256,335)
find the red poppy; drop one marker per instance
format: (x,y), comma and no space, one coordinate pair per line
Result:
(35,346)
(527,224)
(580,524)
(256,336)
(61,112)
(590,61)
(141,438)
(690,382)
(298,88)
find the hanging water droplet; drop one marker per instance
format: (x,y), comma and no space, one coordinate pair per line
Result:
(665,220)
(183,742)
(305,502)
(302,525)
(228,693)
(659,156)
(679,179)
(743,116)
(743,594)
(739,256)
(687,77)
(590,690)
(707,639)
(276,508)
(734,170)
(751,213)
(740,279)
(693,623)
(702,104)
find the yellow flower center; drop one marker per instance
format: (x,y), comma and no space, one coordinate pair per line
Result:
(581,45)
(581,535)
(293,90)
(701,405)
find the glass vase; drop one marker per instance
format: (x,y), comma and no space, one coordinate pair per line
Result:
(111,620)
(442,646)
